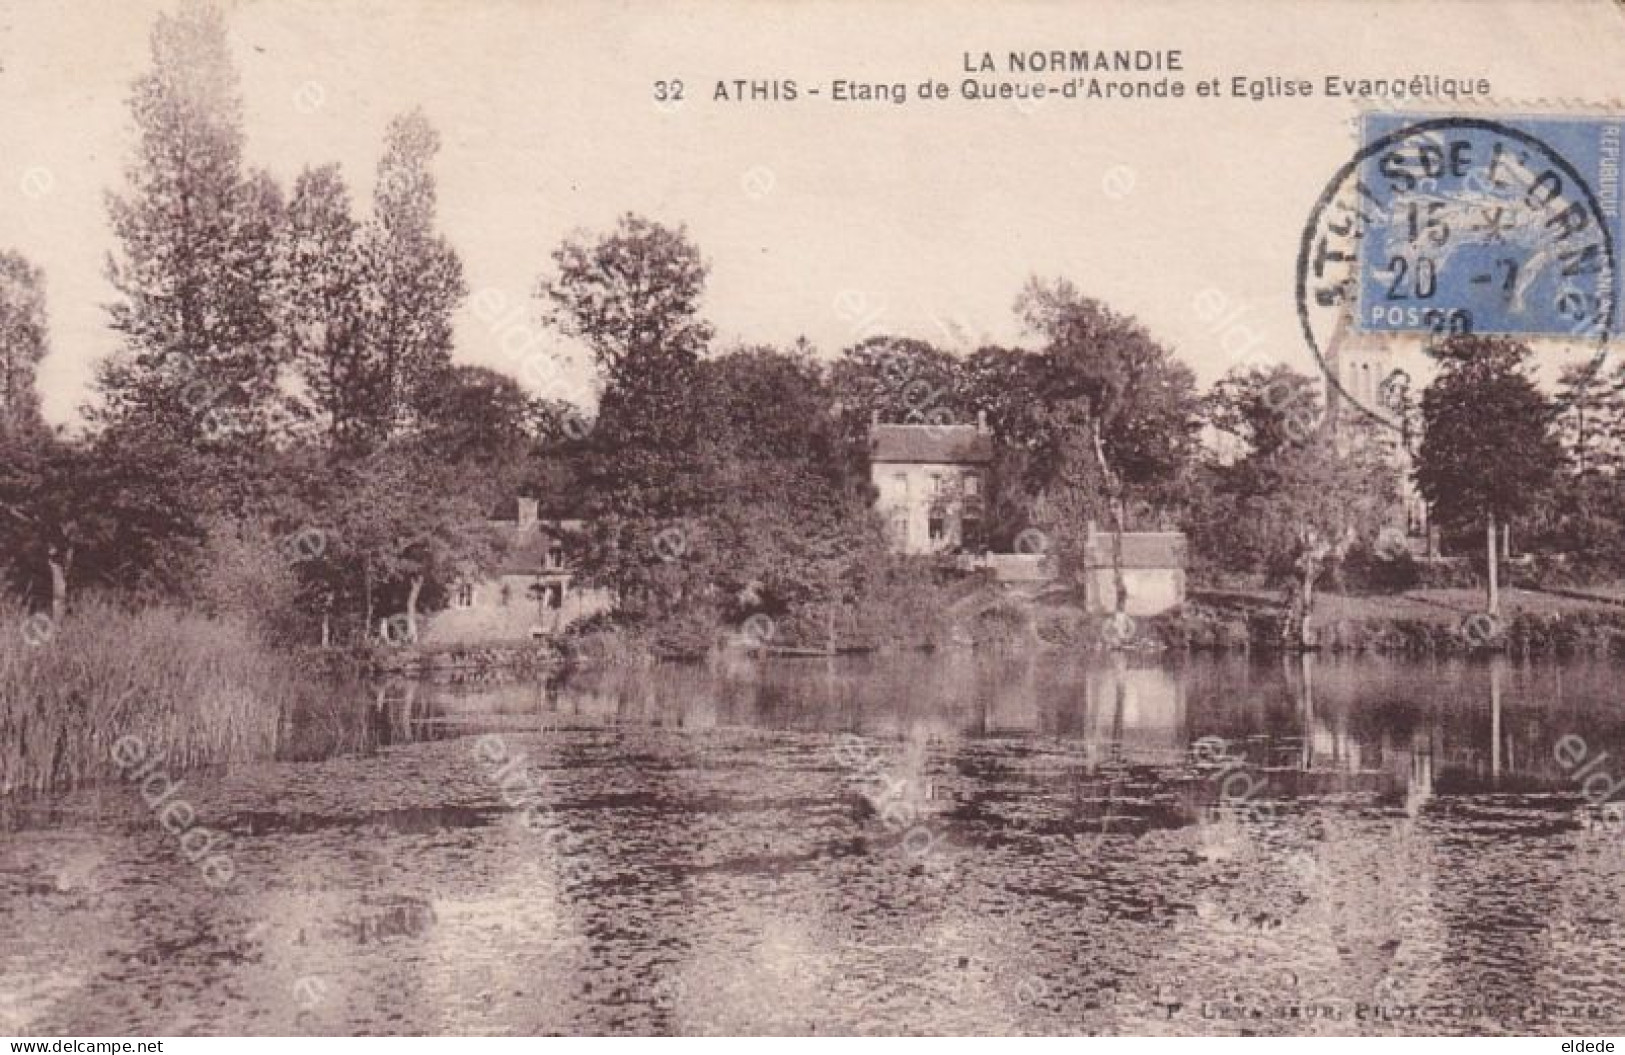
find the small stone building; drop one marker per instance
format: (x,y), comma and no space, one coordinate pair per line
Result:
(931,482)
(1153,571)
(532,592)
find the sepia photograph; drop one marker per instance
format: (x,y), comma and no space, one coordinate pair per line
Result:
(804,518)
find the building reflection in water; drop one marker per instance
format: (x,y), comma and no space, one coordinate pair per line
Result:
(1137,712)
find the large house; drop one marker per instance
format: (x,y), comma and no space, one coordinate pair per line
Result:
(931,482)
(932,492)
(531,593)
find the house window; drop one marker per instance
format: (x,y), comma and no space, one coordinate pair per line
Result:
(555,596)
(506,595)
(555,556)
(899,527)
(936,483)
(939,528)
(465,595)
(973,485)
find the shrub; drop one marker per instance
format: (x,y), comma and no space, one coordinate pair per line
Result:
(599,642)
(1200,627)
(251,579)
(1007,623)
(1368,571)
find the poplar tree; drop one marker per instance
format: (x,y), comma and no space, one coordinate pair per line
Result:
(322,316)
(22,343)
(414,279)
(199,360)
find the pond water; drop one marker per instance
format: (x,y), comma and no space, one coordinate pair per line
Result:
(917,843)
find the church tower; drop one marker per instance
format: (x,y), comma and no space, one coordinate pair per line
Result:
(1379,382)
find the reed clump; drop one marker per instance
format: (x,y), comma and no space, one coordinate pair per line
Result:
(202,690)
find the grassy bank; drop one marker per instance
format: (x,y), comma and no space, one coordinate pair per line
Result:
(201,690)
(1420,622)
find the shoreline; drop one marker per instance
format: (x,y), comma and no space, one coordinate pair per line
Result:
(1240,623)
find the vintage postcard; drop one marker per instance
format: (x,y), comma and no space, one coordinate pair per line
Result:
(871,518)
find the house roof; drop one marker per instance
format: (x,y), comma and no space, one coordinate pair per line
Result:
(1141,549)
(525,546)
(943,444)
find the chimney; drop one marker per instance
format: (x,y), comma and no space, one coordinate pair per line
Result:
(527,511)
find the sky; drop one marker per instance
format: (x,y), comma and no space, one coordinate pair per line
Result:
(822,219)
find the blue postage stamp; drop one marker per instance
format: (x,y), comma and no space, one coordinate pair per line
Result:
(1508,225)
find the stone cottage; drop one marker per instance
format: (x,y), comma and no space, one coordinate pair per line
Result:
(532,592)
(1153,571)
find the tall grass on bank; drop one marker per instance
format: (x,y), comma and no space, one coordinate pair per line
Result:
(200,690)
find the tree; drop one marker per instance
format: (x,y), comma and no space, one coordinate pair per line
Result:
(759,405)
(198,359)
(415,277)
(1582,520)
(477,416)
(321,300)
(901,381)
(795,547)
(1005,385)
(1322,500)
(1267,410)
(1488,451)
(365,308)
(559,423)
(117,512)
(1111,396)
(487,426)
(721,538)
(632,296)
(1264,416)
(22,342)
(1591,425)
(792,518)
(1292,500)
(401,528)
(33,507)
